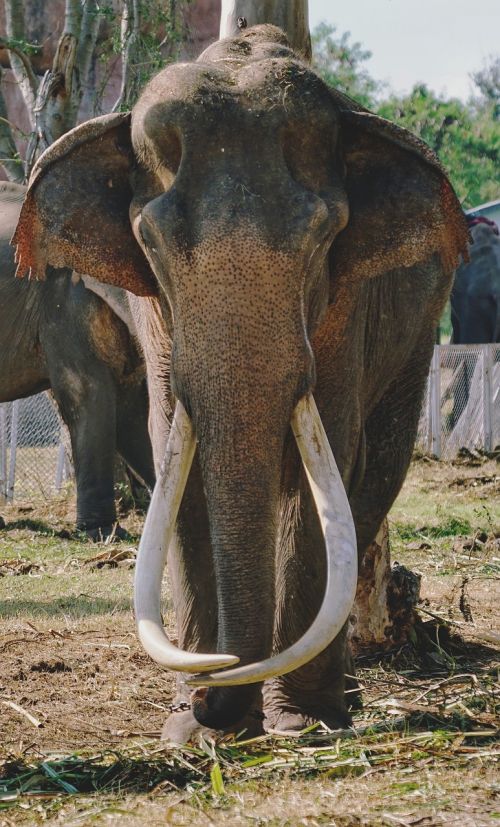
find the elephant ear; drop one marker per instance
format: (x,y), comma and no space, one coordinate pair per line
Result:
(402,207)
(76,210)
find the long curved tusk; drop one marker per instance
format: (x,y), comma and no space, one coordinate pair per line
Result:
(340,539)
(158,530)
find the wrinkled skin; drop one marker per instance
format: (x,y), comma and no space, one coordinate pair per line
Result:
(475,298)
(285,241)
(59,335)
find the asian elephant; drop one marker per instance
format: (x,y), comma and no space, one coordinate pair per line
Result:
(60,335)
(475,298)
(280,241)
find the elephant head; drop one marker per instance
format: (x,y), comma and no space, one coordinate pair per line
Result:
(244,194)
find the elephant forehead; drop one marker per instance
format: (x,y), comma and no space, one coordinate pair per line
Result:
(272,91)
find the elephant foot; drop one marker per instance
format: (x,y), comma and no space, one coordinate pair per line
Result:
(113,533)
(292,721)
(182,728)
(289,716)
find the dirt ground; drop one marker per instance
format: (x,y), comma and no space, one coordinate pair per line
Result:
(81,705)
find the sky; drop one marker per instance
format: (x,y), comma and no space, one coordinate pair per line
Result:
(438,42)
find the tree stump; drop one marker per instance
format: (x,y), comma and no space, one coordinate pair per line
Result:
(384,610)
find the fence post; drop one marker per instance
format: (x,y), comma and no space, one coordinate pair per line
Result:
(487,354)
(428,421)
(435,401)
(3,452)
(13,449)
(61,460)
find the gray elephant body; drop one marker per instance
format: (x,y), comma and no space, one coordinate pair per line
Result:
(284,240)
(59,335)
(475,298)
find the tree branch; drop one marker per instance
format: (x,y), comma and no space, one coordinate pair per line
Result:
(57,100)
(15,50)
(20,64)
(130,40)
(9,156)
(72,17)
(60,92)
(89,30)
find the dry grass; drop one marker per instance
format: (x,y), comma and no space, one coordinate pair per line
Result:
(81,706)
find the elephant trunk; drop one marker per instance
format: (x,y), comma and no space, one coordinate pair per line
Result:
(241,480)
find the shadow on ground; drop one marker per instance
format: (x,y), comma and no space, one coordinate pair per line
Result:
(81,606)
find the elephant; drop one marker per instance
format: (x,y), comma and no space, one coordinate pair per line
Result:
(475,297)
(289,254)
(60,335)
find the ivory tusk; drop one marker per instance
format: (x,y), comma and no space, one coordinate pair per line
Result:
(340,539)
(151,557)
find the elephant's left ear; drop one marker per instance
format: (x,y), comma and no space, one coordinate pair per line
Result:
(402,207)
(76,210)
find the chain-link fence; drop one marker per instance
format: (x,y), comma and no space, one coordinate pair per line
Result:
(462,404)
(461,410)
(33,462)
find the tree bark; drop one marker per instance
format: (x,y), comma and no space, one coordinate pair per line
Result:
(384,611)
(9,156)
(130,48)
(21,66)
(61,90)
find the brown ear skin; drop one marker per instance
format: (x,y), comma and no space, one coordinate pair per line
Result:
(76,211)
(402,208)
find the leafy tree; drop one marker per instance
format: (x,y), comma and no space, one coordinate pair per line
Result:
(487,81)
(465,136)
(340,63)
(145,34)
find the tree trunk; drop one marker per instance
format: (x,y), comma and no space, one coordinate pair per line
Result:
(384,610)
(9,156)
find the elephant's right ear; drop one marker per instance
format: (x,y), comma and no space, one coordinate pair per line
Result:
(76,210)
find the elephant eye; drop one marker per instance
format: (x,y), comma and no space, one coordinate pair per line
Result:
(142,234)
(146,237)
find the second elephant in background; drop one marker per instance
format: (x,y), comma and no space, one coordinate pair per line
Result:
(61,335)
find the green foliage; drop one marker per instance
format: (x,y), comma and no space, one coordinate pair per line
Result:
(148,46)
(487,81)
(465,136)
(340,63)
(20,45)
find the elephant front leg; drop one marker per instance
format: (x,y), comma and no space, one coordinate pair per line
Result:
(316,691)
(88,407)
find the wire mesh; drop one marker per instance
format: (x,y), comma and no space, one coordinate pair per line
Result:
(33,464)
(462,401)
(461,409)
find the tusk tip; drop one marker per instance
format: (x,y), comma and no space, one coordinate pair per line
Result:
(211,678)
(202,679)
(213,662)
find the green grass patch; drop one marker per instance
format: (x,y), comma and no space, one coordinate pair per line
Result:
(207,770)
(450,527)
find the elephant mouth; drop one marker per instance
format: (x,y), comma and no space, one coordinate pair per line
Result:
(340,542)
